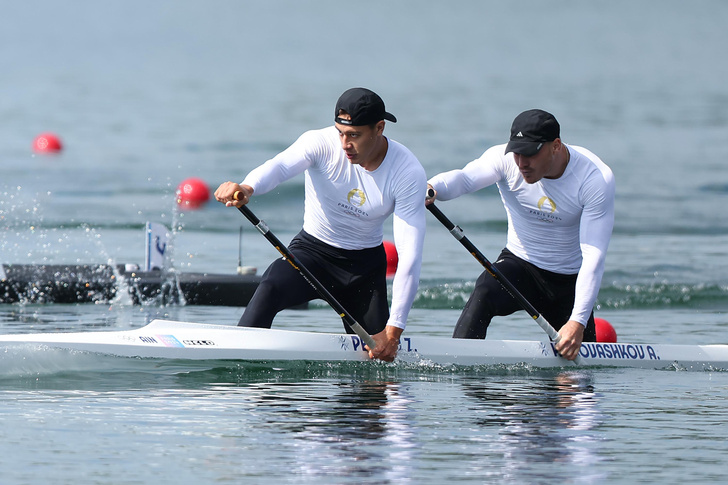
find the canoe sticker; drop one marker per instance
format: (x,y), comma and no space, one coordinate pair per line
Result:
(592,350)
(405,344)
(344,342)
(544,350)
(198,343)
(358,344)
(169,341)
(166,340)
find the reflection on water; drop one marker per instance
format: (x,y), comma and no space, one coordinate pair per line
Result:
(552,419)
(393,430)
(352,429)
(503,425)
(327,423)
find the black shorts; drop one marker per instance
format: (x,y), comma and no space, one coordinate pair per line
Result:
(552,294)
(356,278)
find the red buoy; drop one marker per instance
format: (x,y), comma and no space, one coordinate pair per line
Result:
(605,331)
(192,193)
(392,257)
(47,143)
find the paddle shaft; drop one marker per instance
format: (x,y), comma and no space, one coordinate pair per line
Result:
(307,275)
(493,271)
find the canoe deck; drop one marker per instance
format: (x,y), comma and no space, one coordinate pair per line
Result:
(166,339)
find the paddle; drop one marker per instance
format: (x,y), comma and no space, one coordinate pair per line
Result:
(307,275)
(493,271)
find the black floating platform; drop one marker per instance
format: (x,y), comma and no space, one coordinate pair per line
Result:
(101,283)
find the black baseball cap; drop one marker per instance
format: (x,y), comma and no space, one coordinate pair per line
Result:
(530,130)
(364,106)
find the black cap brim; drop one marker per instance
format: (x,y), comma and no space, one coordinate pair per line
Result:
(526,148)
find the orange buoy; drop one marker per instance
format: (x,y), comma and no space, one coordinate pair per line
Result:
(47,143)
(605,331)
(192,193)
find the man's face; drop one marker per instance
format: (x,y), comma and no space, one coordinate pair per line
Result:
(541,165)
(359,142)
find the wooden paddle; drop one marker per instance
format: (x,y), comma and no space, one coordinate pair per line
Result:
(493,271)
(307,275)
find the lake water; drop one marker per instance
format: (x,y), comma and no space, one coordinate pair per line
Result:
(144,95)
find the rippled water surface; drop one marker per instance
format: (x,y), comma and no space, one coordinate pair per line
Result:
(145,95)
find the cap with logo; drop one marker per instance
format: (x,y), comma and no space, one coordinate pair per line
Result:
(530,130)
(363,106)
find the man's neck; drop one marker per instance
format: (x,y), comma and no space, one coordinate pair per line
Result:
(379,155)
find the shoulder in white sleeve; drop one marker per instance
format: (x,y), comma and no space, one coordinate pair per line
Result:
(482,172)
(306,151)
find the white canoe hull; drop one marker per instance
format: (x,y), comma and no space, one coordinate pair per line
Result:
(165,339)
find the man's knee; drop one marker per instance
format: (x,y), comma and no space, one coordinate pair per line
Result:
(475,317)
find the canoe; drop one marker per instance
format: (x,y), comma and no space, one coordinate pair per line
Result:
(166,339)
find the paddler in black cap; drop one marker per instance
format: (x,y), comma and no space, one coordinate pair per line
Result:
(559,200)
(355,178)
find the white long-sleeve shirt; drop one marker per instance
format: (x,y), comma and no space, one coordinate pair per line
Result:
(561,225)
(346,205)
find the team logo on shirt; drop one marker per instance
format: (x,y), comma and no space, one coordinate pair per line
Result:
(546,209)
(550,205)
(356,197)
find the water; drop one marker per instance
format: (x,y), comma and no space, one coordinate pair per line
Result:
(145,95)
